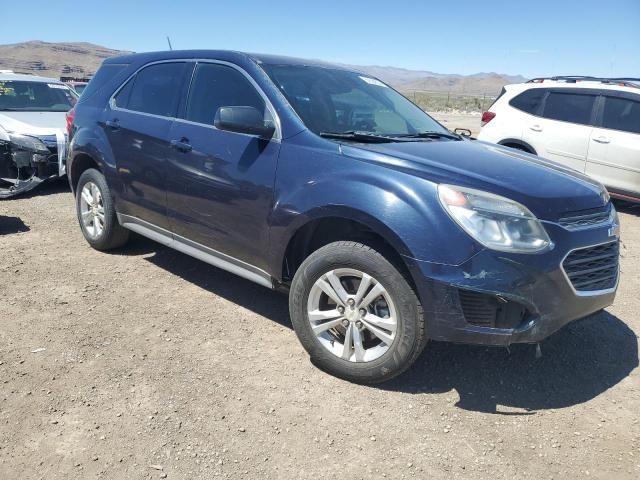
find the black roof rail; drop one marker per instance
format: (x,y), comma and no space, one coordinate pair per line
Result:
(623,82)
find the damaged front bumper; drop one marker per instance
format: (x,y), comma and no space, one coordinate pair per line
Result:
(498,299)
(28,160)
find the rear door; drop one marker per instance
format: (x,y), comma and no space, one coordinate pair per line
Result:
(614,150)
(137,124)
(562,130)
(220,183)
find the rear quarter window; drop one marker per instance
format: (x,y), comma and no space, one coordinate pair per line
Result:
(529,101)
(103,75)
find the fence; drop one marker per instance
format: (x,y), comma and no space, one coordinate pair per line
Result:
(434,101)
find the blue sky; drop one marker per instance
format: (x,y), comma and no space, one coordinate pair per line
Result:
(535,37)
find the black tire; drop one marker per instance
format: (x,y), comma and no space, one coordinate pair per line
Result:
(113,235)
(410,337)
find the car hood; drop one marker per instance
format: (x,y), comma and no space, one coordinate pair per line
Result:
(548,189)
(34,123)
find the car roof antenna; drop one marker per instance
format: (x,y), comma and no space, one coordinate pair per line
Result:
(169,42)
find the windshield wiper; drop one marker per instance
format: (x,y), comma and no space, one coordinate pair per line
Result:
(361,136)
(8,109)
(452,136)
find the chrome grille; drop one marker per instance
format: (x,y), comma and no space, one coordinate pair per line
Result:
(593,268)
(586,218)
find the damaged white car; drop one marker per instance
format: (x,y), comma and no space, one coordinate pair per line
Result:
(32,131)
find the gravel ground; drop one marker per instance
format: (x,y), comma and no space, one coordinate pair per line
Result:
(145,363)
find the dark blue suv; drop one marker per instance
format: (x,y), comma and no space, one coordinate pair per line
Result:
(386,229)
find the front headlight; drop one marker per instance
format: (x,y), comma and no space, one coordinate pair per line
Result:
(28,143)
(496,222)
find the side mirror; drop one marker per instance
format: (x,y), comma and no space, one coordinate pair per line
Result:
(465,132)
(243,120)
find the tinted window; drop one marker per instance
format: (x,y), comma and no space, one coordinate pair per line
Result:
(216,86)
(621,114)
(569,107)
(122,97)
(102,76)
(156,89)
(529,101)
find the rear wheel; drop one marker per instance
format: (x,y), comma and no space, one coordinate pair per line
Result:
(96,213)
(356,314)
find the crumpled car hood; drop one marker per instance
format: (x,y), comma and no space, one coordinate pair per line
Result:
(548,189)
(36,124)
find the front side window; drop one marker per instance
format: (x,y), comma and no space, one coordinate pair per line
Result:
(29,96)
(330,100)
(214,86)
(529,101)
(154,89)
(569,107)
(621,114)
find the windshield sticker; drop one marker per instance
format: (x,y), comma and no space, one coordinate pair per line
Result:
(373,81)
(57,85)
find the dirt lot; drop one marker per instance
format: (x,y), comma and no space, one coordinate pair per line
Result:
(145,363)
(459,120)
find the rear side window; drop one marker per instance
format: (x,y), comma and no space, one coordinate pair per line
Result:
(529,101)
(621,114)
(569,107)
(155,90)
(216,86)
(102,76)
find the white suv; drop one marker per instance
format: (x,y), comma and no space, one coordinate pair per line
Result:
(589,124)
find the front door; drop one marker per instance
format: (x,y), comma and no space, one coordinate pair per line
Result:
(220,183)
(563,131)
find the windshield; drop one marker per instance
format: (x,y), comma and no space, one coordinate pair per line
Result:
(26,96)
(340,101)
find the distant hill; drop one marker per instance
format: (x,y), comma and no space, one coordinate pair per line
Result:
(83,59)
(407,80)
(54,59)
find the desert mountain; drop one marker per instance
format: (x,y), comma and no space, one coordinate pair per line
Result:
(83,59)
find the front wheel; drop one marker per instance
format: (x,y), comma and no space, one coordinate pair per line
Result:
(356,314)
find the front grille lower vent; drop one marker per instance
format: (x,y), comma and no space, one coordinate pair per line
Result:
(593,268)
(484,310)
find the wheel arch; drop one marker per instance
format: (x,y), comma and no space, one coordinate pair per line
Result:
(81,162)
(325,226)
(518,144)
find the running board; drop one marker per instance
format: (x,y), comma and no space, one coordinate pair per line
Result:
(197,250)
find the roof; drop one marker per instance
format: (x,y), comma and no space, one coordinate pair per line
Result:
(26,78)
(220,55)
(627,85)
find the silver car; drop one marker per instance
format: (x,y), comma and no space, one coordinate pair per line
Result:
(33,133)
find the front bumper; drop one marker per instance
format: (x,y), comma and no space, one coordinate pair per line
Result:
(532,293)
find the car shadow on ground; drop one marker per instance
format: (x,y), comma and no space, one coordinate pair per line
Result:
(578,363)
(9,225)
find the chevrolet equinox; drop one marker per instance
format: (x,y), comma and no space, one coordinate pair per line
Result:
(385,229)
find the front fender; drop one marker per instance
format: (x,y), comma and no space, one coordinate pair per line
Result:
(319,182)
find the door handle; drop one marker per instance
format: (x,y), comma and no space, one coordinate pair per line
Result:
(536,128)
(182,145)
(602,139)
(113,124)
